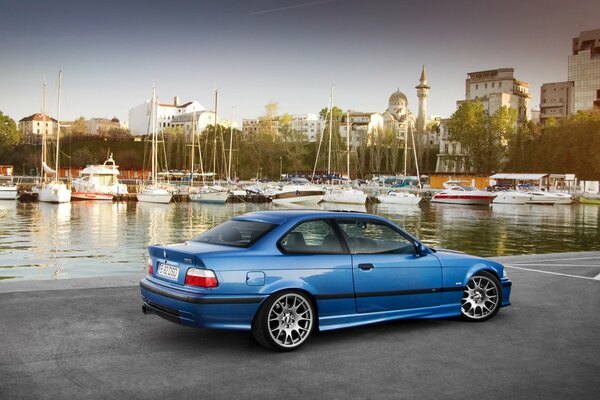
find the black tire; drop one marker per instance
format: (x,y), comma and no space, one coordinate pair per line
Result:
(482,297)
(285,321)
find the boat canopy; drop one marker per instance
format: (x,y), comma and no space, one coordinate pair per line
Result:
(524,177)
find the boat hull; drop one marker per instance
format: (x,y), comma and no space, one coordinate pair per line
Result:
(154,195)
(587,199)
(345,197)
(54,193)
(81,196)
(298,197)
(517,198)
(406,200)
(472,200)
(209,197)
(8,192)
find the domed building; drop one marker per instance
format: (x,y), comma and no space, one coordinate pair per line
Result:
(396,116)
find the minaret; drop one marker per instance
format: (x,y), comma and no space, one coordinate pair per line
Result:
(422,92)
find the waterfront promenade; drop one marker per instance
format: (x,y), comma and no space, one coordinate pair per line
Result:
(87,338)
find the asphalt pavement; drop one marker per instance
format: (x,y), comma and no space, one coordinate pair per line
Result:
(88,339)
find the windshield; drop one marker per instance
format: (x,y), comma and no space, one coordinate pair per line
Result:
(235,233)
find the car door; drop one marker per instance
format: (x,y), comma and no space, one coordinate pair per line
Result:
(388,273)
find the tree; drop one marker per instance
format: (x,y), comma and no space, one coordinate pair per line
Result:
(483,138)
(78,127)
(9,134)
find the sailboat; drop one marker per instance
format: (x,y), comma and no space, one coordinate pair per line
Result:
(397,197)
(211,194)
(343,195)
(54,191)
(153,193)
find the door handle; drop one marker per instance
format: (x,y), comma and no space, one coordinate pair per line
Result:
(366,267)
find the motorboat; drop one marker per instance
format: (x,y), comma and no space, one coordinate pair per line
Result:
(511,197)
(210,194)
(395,197)
(98,182)
(564,198)
(539,196)
(8,192)
(467,195)
(590,198)
(345,195)
(298,190)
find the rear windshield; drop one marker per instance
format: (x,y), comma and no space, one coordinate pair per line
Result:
(235,233)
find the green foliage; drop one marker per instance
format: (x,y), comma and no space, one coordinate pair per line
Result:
(484,139)
(78,127)
(570,145)
(9,134)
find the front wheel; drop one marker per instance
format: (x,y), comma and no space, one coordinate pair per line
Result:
(482,297)
(285,321)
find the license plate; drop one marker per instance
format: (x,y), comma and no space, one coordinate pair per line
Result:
(168,270)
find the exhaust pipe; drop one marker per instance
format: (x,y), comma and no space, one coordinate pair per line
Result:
(146,310)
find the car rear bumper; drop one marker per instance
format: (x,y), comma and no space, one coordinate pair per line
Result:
(199,310)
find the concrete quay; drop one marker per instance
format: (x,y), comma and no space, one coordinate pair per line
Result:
(87,338)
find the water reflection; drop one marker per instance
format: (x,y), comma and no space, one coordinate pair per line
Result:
(45,241)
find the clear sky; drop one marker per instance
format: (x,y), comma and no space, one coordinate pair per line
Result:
(286,51)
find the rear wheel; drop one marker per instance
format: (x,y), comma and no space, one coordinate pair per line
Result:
(481,298)
(285,321)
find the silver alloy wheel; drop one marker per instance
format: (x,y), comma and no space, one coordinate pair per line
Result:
(290,320)
(480,298)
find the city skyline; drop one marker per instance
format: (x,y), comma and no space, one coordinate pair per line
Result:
(290,52)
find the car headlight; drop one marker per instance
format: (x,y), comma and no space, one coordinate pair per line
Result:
(504,275)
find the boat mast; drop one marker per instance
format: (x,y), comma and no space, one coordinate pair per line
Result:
(406,146)
(348,144)
(193,147)
(153,123)
(330,134)
(215,140)
(58,130)
(44,129)
(230,146)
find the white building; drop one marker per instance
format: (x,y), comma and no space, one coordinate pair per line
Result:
(165,113)
(96,126)
(193,121)
(34,126)
(494,89)
(309,124)
(362,124)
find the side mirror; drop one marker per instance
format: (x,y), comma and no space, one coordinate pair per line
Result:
(420,249)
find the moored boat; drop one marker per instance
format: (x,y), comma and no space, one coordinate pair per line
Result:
(343,195)
(511,197)
(466,195)
(590,198)
(394,197)
(8,192)
(98,182)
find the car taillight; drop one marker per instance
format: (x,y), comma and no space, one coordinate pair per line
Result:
(150,267)
(201,278)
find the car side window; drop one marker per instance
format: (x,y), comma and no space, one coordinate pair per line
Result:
(312,237)
(370,237)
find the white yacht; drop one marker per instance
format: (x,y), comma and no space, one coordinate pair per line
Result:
(345,195)
(512,197)
(209,194)
(299,190)
(98,182)
(8,192)
(395,197)
(467,195)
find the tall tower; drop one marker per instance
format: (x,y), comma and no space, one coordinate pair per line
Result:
(422,92)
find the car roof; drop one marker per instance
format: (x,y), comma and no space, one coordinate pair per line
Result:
(282,216)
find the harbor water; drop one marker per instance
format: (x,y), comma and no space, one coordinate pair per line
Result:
(87,239)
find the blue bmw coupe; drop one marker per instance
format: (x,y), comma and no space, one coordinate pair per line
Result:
(284,274)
